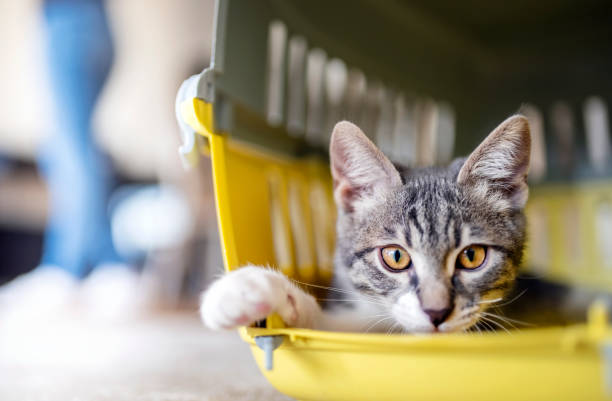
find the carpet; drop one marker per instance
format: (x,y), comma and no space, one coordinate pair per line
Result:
(168,357)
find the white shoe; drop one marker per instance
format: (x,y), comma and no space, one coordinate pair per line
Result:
(115,292)
(37,297)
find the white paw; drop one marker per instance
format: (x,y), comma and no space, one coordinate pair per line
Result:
(251,293)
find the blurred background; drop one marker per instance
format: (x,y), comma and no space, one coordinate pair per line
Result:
(107,73)
(106,240)
(155,47)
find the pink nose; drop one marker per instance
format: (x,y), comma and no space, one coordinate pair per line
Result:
(437,316)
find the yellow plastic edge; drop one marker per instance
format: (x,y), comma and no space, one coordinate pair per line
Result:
(199,115)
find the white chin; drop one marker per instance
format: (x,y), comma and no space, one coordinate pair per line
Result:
(422,328)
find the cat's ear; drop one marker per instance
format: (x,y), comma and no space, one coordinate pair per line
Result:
(498,167)
(359,169)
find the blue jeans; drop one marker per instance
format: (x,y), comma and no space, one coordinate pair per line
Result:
(79,177)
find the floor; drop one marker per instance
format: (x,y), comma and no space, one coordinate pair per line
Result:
(169,357)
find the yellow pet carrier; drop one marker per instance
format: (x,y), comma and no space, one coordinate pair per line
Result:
(413,75)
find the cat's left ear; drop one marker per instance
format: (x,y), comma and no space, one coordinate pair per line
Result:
(498,167)
(359,169)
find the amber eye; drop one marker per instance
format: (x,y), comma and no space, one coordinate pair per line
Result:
(472,257)
(395,258)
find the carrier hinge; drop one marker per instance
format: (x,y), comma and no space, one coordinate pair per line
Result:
(268,344)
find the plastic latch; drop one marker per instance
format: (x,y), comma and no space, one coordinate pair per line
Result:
(188,149)
(268,344)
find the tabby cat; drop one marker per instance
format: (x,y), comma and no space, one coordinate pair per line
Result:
(421,250)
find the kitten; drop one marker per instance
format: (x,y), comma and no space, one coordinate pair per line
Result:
(424,250)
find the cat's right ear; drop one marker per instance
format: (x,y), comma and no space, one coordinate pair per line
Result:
(497,169)
(359,169)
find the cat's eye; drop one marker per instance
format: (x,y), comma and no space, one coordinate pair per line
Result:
(395,258)
(472,257)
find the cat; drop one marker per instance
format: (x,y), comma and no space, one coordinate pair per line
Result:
(423,250)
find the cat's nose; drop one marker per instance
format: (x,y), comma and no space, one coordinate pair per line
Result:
(437,316)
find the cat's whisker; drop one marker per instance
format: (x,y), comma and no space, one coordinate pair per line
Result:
(512,300)
(463,316)
(495,323)
(371,326)
(350,300)
(490,301)
(324,287)
(340,290)
(485,326)
(391,328)
(503,317)
(492,316)
(508,320)
(378,315)
(469,311)
(378,322)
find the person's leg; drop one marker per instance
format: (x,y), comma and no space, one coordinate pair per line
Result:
(79,177)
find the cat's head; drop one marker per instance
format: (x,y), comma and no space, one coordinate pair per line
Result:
(435,246)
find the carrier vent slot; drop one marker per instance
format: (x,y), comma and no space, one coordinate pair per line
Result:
(563,127)
(296,85)
(302,231)
(574,252)
(323,228)
(597,133)
(310,93)
(427,130)
(537,165)
(355,95)
(404,132)
(277,44)
(603,223)
(373,100)
(279,219)
(336,77)
(386,121)
(446,133)
(315,115)
(539,251)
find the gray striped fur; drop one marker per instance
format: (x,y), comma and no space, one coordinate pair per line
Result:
(433,213)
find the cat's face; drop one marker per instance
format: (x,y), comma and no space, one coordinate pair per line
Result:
(436,247)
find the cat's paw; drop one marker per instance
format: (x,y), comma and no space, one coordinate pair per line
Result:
(251,293)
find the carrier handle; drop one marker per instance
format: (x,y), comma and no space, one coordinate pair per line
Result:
(199,86)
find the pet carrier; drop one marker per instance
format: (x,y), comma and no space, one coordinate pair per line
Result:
(412,75)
